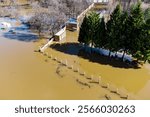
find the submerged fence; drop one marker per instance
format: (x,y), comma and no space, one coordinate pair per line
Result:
(90,79)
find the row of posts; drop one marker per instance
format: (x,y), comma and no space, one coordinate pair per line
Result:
(92,79)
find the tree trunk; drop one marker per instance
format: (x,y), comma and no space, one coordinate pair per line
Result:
(39,33)
(53,33)
(123,55)
(92,47)
(128,6)
(109,53)
(116,54)
(145,61)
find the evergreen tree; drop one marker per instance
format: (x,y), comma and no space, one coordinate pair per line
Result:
(94,21)
(101,40)
(124,37)
(135,29)
(147,14)
(124,31)
(84,31)
(139,36)
(112,30)
(145,49)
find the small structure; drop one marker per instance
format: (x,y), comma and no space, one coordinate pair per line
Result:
(100,1)
(71,24)
(61,35)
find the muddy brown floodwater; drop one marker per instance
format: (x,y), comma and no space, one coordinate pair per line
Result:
(25,74)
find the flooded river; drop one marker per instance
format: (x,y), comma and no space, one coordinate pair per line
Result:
(26,74)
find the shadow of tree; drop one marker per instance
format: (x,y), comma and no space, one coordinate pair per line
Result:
(26,37)
(78,50)
(68,48)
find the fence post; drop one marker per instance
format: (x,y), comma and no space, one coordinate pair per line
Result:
(66,62)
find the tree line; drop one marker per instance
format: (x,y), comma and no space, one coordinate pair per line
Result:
(46,16)
(126,31)
(50,15)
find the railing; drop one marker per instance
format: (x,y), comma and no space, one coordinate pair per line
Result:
(46,45)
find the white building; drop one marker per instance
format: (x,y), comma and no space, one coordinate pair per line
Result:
(59,36)
(99,1)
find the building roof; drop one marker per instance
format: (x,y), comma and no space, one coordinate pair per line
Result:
(72,21)
(99,1)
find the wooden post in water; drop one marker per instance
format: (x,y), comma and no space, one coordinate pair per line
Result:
(100,79)
(48,55)
(72,67)
(45,53)
(92,77)
(51,56)
(61,61)
(84,73)
(58,61)
(66,62)
(108,85)
(69,67)
(124,97)
(78,70)
(117,91)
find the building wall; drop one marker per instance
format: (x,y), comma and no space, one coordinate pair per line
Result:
(61,35)
(97,1)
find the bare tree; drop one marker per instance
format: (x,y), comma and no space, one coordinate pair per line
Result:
(47,21)
(40,22)
(4,12)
